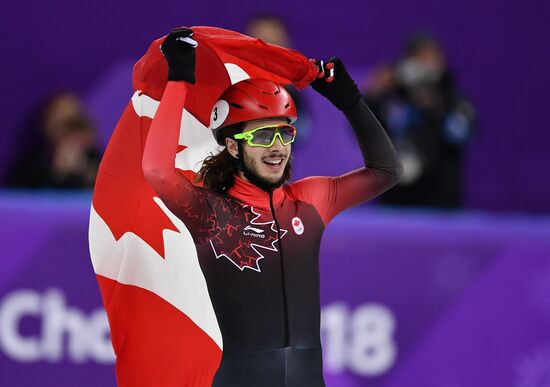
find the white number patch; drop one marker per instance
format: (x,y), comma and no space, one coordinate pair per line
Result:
(219,114)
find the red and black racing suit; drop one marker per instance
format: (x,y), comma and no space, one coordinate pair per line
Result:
(259,252)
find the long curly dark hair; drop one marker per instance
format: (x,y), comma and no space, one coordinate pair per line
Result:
(218,171)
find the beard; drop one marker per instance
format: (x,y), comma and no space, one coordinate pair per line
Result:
(250,170)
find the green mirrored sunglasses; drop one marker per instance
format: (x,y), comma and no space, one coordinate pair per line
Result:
(265,136)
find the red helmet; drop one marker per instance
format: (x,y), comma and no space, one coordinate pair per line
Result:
(251,99)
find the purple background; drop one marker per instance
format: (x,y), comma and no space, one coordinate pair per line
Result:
(495,47)
(469,292)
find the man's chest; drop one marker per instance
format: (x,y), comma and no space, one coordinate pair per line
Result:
(250,238)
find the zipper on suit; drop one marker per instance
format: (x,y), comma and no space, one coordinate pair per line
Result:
(283,287)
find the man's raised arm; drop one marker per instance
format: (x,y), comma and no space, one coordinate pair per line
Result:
(382,167)
(158,161)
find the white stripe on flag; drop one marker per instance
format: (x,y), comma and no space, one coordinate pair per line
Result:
(177,278)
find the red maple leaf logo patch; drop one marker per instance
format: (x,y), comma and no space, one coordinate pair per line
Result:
(242,243)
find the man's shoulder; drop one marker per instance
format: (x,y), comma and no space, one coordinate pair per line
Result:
(309,186)
(310,180)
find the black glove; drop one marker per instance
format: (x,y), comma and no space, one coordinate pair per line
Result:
(179,50)
(334,83)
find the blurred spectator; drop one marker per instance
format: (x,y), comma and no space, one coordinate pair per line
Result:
(57,146)
(270,28)
(274,30)
(429,122)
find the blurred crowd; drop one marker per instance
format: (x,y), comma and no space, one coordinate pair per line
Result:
(415,97)
(57,146)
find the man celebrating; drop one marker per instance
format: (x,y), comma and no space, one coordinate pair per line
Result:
(258,237)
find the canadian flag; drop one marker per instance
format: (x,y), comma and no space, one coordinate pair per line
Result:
(163,326)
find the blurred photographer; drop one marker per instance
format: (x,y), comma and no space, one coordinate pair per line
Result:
(428,120)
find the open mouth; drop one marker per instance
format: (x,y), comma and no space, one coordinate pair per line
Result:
(273,162)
